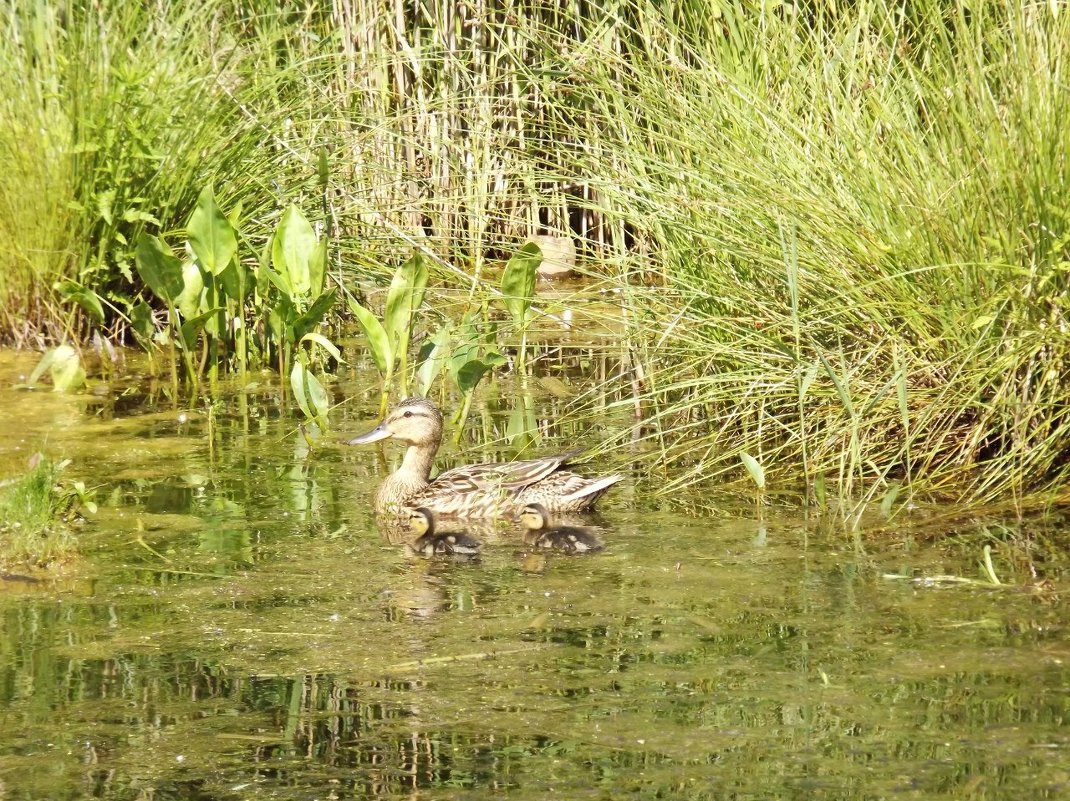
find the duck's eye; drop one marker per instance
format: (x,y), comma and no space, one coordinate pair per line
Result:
(407,414)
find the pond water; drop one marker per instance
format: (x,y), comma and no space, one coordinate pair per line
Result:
(237,627)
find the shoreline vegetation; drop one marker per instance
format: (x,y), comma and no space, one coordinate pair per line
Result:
(839,233)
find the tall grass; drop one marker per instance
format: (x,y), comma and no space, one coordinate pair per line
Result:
(114,116)
(840,231)
(861,224)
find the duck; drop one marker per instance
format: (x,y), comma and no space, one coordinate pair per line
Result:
(428,542)
(476,490)
(536,518)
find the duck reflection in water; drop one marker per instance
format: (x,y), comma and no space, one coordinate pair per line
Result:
(430,542)
(542,531)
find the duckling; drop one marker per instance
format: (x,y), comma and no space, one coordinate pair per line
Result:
(540,534)
(430,543)
(475,490)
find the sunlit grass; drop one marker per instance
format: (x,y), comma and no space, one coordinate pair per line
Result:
(33,510)
(839,231)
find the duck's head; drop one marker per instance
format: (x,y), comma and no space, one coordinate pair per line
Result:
(414,421)
(534,517)
(421,521)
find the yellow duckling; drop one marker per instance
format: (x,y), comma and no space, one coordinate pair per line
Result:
(428,542)
(541,534)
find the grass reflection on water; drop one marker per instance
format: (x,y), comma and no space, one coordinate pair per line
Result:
(244,631)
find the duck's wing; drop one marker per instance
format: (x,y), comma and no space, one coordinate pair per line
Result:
(511,476)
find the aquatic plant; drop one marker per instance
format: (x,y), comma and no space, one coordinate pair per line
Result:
(64,366)
(36,509)
(518,291)
(212,297)
(388,341)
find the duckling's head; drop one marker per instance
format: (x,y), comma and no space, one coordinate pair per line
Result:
(414,421)
(421,521)
(534,517)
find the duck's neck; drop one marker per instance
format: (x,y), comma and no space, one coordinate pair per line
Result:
(416,466)
(407,480)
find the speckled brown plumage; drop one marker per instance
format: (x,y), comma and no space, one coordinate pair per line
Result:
(478,490)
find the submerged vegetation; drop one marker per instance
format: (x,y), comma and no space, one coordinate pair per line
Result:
(838,233)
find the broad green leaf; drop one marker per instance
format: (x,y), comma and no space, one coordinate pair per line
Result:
(297,386)
(378,342)
(433,357)
(211,235)
(317,267)
(234,280)
(292,248)
(137,215)
(141,321)
(466,348)
(189,299)
(280,281)
(494,359)
(420,275)
(471,373)
(405,295)
(324,343)
(755,469)
(277,323)
(66,369)
(84,297)
(192,327)
(523,427)
(158,268)
(518,281)
(315,314)
(317,398)
(234,217)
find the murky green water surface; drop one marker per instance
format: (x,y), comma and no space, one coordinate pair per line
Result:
(239,628)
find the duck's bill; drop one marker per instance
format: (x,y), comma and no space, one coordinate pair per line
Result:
(376,434)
